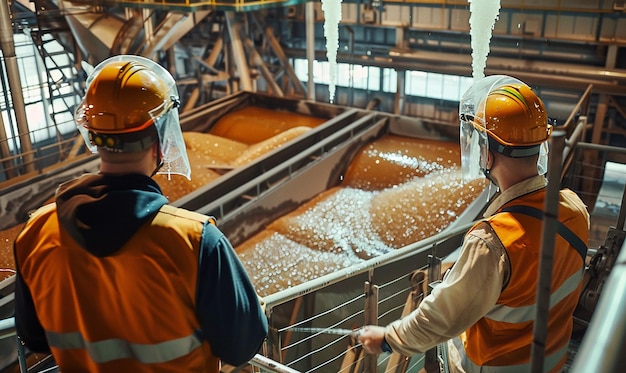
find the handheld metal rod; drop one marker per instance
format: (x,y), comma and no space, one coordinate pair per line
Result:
(336,331)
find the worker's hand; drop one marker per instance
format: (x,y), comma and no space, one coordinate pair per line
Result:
(371,337)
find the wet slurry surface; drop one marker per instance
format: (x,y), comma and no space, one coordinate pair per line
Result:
(237,138)
(396,191)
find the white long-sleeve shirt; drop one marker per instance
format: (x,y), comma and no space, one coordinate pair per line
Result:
(468,291)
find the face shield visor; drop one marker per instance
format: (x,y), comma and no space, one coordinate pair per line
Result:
(173,150)
(474,149)
(162,113)
(474,140)
(542,162)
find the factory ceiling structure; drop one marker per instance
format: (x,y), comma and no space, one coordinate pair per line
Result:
(236,40)
(216,48)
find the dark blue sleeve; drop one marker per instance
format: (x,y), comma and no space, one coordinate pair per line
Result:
(228,307)
(27,324)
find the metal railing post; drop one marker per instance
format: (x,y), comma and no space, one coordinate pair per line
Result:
(371,318)
(546,258)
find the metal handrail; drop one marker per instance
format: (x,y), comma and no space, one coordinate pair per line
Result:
(546,259)
(7,328)
(269,365)
(581,108)
(602,348)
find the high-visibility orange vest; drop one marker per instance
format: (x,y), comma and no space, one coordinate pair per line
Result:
(133,311)
(501,340)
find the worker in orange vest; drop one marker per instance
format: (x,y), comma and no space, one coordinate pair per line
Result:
(110,277)
(484,308)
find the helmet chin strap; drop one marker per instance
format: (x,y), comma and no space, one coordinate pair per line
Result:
(158,167)
(159,160)
(487,172)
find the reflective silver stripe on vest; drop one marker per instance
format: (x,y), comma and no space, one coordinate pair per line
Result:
(114,349)
(508,314)
(549,363)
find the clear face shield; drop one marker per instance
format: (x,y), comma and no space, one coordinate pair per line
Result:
(473,135)
(173,150)
(84,132)
(474,150)
(174,158)
(542,162)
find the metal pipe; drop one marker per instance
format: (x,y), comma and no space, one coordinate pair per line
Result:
(15,84)
(580,108)
(5,152)
(351,80)
(602,348)
(371,318)
(333,331)
(400,95)
(278,50)
(310,47)
(543,74)
(270,365)
(546,258)
(7,328)
(603,148)
(575,136)
(256,58)
(239,54)
(622,213)
(4,146)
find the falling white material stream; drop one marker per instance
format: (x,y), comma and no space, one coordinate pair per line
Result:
(332,16)
(483,15)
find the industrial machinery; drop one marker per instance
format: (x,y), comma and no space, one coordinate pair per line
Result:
(19,199)
(247,199)
(253,203)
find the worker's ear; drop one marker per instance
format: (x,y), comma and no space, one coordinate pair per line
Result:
(156,150)
(489,160)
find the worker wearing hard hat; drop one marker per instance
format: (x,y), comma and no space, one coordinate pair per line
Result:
(489,296)
(110,278)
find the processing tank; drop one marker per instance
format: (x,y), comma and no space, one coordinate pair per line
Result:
(351,160)
(230,134)
(368,198)
(245,134)
(395,181)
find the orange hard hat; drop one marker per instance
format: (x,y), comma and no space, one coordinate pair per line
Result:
(513,115)
(124,97)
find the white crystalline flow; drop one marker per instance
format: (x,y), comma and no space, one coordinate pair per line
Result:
(332,16)
(483,15)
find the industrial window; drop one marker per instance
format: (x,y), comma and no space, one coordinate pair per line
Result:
(417,83)
(354,76)
(35,91)
(390,80)
(437,86)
